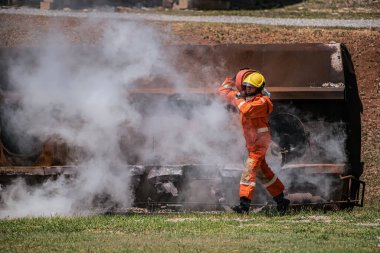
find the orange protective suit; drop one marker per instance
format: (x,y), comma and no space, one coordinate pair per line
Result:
(254,113)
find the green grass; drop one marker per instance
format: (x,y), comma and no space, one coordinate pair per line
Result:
(356,231)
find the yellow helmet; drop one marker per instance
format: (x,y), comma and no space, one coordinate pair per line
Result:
(255,79)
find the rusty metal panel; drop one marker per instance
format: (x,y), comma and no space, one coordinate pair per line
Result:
(292,71)
(316,80)
(316,168)
(37,170)
(22,170)
(306,93)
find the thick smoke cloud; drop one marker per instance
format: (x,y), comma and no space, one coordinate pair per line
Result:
(324,144)
(83,97)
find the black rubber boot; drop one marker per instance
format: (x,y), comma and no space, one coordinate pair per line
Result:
(282,203)
(243,207)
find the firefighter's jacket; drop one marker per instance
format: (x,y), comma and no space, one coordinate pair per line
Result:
(254,113)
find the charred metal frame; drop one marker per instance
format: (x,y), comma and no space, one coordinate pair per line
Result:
(311,77)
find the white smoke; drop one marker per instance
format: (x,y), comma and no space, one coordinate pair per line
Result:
(329,144)
(83,98)
(198,135)
(325,144)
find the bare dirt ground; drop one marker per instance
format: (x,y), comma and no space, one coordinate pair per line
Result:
(363,44)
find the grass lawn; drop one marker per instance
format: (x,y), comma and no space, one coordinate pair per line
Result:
(311,231)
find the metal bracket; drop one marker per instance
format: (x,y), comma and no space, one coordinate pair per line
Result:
(355,190)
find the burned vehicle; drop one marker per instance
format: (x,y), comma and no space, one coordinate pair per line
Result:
(315,130)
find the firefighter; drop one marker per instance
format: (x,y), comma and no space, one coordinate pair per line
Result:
(246,91)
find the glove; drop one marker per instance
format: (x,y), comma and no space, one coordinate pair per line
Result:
(228,83)
(265,92)
(240,95)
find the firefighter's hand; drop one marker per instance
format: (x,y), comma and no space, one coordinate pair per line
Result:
(228,83)
(240,95)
